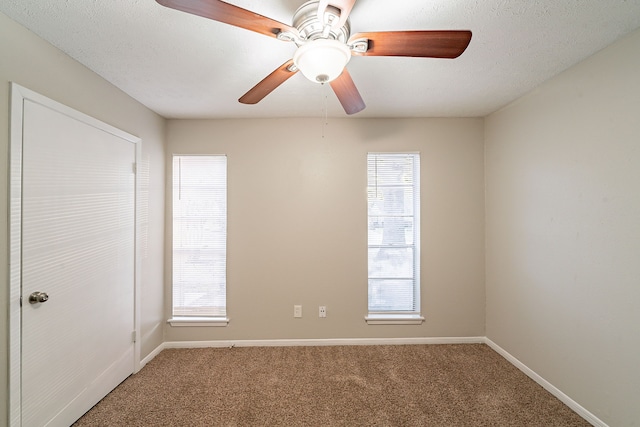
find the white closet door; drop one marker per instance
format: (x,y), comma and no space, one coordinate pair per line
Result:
(78,237)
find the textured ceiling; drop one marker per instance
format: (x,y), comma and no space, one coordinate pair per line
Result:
(183,66)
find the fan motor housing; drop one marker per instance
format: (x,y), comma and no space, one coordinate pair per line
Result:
(306,21)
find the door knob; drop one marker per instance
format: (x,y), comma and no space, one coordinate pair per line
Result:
(37,297)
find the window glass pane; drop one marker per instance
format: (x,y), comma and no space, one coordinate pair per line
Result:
(391,295)
(393,263)
(396,200)
(199,235)
(390,169)
(389,231)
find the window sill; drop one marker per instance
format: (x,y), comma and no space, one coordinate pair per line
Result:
(394,319)
(199,321)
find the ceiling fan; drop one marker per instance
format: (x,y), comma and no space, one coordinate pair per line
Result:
(322,32)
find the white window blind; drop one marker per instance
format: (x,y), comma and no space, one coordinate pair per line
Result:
(199,236)
(393,194)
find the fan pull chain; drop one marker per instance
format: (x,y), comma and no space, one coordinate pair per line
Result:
(376,168)
(325,122)
(326,114)
(179,178)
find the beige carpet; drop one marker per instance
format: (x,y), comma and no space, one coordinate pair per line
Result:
(412,385)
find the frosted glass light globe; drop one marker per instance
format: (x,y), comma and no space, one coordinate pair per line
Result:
(322,60)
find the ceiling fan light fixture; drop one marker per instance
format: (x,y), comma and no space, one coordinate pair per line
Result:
(322,60)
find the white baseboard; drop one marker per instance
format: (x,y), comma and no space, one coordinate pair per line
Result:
(324,342)
(152,355)
(547,386)
(309,342)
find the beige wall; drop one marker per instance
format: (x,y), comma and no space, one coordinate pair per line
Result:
(297,225)
(35,64)
(563,231)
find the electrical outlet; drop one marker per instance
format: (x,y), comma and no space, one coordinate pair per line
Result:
(322,311)
(297,311)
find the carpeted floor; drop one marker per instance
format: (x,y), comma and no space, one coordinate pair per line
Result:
(408,385)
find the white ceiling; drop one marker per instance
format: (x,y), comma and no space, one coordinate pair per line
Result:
(184,66)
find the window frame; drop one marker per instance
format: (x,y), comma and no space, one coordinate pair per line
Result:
(404,317)
(196,320)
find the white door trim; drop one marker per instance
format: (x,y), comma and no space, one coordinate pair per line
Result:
(18,96)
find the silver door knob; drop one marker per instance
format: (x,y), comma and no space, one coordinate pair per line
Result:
(37,297)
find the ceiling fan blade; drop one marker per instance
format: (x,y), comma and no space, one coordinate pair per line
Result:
(268,84)
(423,44)
(347,93)
(230,14)
(345,7)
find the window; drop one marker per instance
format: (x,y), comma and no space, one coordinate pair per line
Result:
(393,196)
(199,240)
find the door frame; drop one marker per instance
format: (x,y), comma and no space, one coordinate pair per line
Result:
(18,96)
